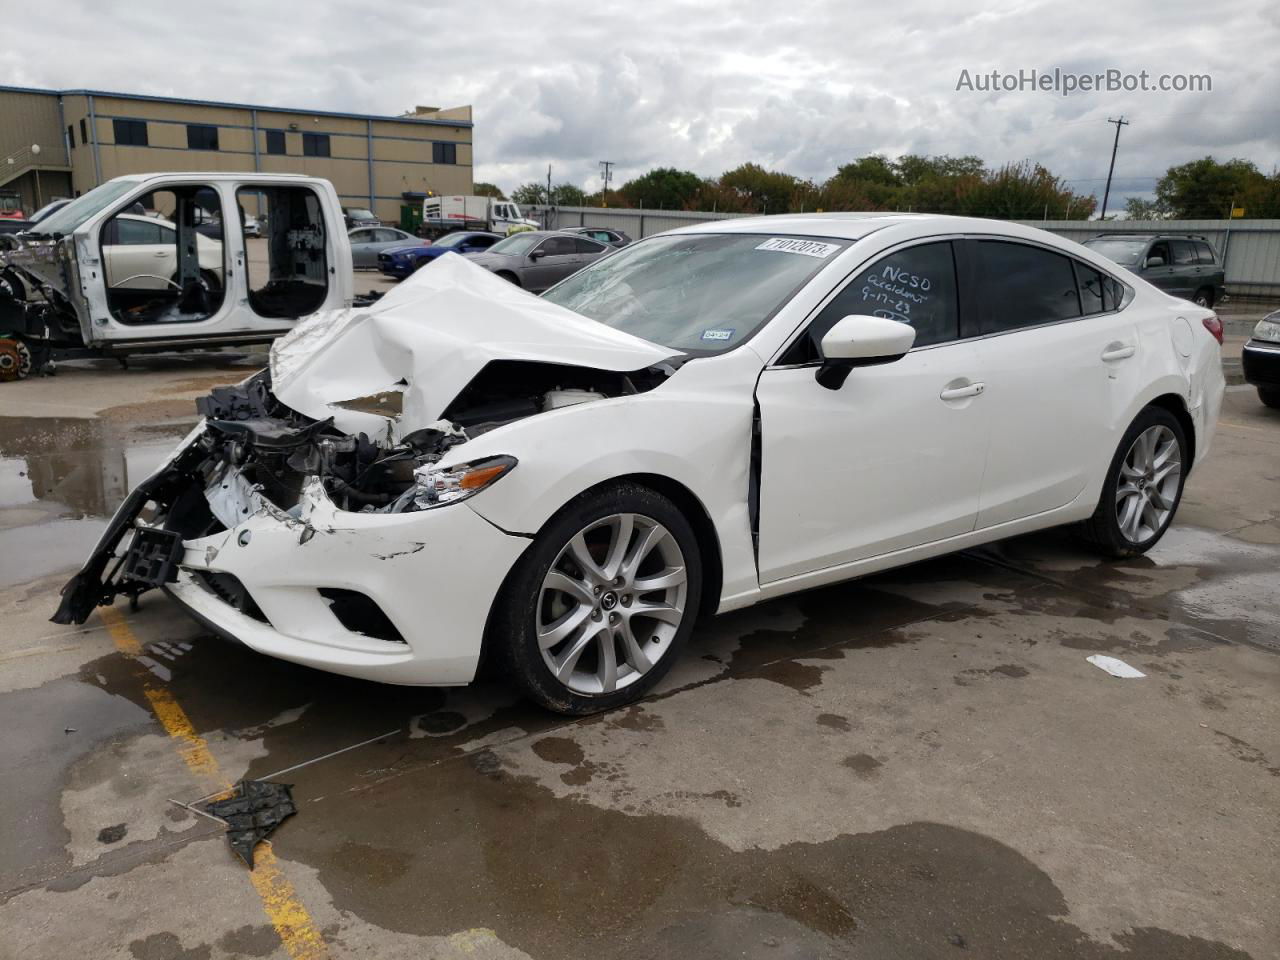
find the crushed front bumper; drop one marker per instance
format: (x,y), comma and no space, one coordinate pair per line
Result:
(398,598)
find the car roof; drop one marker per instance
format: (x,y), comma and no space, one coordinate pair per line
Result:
(1149,236)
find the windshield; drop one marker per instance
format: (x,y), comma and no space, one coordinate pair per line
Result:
(452,239)
(700,293)
(520,243)
(83,207)
(1123,252)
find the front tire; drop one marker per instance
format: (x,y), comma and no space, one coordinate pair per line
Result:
(598,608)
(1143,486)
(1203,297)
(1269,398)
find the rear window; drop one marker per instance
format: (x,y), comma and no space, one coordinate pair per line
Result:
(1023,286)
(1204,253)
(1184,254)
(1124,252)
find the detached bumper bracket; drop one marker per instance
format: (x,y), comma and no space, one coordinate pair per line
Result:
(153,557)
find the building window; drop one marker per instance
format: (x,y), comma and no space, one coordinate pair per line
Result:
(130,133)
(84,131)
(275,142)
(315,145)
(201,137)
(71,137)
(444,153)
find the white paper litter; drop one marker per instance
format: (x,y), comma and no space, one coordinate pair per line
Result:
(1117,668)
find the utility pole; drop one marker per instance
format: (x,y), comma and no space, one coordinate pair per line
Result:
(606,174)
(1106,194)
(548,184)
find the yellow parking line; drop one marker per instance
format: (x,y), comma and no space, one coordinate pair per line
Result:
(292,922)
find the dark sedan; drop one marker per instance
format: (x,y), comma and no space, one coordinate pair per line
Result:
(540,259)
(403,259)
(1261,359)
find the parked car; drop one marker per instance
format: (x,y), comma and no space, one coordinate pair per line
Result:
(141,253)
(610,237)
(539,259)
(1185,266)
(360,217)
(1261,359)
(368,242)
(252,226)
(403,259)
(704,420)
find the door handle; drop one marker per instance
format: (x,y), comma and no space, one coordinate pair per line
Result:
(1119,351)
(959,393)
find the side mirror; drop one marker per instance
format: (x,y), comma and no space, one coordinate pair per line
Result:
(1153,262)
(536,255)
(861,341)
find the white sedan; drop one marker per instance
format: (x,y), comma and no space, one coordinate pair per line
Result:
(141,253)
(705,420)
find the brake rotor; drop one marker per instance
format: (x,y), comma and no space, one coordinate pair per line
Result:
(15,360)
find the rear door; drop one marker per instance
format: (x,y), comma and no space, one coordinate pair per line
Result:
(364,251)
(1055,355)
(1186,268)
(139,254)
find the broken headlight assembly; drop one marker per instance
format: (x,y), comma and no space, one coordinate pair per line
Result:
(437,486)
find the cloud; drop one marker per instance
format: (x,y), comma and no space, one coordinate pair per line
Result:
(803,86)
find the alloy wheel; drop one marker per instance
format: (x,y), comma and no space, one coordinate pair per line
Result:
(611,604)
(1147,487)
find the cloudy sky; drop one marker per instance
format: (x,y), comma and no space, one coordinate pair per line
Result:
(801,86)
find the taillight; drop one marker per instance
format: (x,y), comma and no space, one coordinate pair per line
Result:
(1214,326)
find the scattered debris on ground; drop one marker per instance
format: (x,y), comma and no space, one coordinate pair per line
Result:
(252,811)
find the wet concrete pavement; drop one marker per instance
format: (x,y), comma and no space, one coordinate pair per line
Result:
(920,764)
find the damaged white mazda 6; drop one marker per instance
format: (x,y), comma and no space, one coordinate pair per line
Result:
(701,421)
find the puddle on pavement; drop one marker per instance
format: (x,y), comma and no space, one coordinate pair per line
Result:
(60,478)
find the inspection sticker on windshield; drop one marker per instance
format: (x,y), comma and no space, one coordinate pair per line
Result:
(809,248)
(721,334)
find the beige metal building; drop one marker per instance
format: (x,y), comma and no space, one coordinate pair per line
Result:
(89,136)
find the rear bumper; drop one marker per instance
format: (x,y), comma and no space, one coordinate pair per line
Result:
(1261,362)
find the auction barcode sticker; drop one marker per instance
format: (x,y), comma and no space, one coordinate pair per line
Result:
(809,248)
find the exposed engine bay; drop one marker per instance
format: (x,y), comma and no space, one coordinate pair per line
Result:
(252,453)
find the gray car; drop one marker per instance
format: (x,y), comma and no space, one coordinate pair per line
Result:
(1184,266)
(539,259)
(368,242)
(606,235)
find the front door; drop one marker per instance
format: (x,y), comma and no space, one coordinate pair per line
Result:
(892,459)
(556,258)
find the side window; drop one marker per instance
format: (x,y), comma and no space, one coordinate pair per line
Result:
(583,245)
(481,243)
(1092,294)
(1023,286)
(1160,250)
(444,152)
(359,236)
(275,142)
(131,232)
(292,279)
(916,286)
(1204,253)
(390,236)
(1184,254)
(558,247)
(201,137)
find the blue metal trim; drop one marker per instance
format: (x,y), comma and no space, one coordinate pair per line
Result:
(239,106)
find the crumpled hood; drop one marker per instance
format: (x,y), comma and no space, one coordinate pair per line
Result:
(428,338)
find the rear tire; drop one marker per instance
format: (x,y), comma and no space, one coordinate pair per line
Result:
(510,277)
(1143,486)
(1203,297)
(574,625)
(1269,398)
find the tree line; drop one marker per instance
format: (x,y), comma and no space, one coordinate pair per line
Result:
(964,186)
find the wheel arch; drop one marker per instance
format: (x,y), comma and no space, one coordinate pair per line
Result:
(688,502)
(509,276)
(1177,406)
